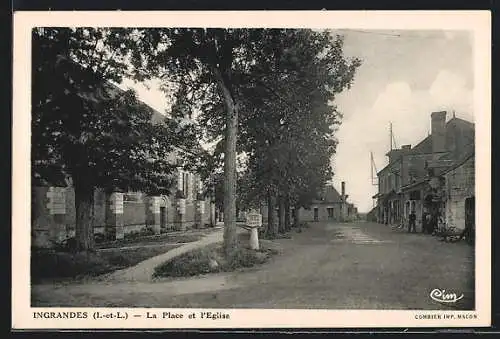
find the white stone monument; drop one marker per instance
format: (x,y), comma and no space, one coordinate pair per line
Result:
(254,221)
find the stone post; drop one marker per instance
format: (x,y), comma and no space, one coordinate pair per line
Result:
(254,221)
(114,217)
(180,210)
(254,238)
(198,213)
(153,213)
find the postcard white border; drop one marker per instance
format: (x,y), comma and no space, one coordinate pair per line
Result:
(479,22)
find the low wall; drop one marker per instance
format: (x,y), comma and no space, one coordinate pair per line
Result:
(53,214)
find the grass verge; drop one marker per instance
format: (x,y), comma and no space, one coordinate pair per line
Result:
(62,266)
(211,259)
(150,240)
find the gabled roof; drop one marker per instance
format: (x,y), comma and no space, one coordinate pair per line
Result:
(330,195)
(424,146)
(461,123)
(460,162)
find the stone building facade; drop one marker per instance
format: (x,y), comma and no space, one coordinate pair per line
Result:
(116,214)
(460,193)
(119,213)
(413,179)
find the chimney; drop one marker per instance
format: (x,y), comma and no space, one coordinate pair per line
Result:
(438,132)
(343,190)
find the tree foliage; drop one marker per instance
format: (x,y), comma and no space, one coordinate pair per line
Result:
(288,129)
(272,87)
(87,131)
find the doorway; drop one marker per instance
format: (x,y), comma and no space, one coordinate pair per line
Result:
(330,213)
(470,206)
(316,217)
(163,217)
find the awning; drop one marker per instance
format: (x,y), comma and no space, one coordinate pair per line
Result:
(411,186)
(385,196)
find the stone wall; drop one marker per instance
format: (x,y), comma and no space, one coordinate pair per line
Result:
(460,185)
(134,213)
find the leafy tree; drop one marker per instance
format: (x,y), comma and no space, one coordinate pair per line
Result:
(265,86)
(87,131)
(289,128)
(209,58)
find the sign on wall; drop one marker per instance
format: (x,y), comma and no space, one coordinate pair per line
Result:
(116,203)
(57,200)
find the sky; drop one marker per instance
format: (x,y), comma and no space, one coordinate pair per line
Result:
(404,76)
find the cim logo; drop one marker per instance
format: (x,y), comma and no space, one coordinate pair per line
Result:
(443,296)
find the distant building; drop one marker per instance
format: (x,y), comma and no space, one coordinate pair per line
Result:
(330,206)
(415,180)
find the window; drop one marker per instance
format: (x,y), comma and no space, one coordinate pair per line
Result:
(330,212)
(415,195)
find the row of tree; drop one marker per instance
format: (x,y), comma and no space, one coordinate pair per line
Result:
(288,121)
(264,93)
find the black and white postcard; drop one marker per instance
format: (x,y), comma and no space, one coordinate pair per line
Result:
(275,169)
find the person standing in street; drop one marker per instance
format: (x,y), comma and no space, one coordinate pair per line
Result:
(412,222)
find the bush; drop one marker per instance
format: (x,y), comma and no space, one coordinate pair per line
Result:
(48,264)
(63,265)
(146,231)
(189,264)
(100,238)
(66,245)
(244,258)
(143,232)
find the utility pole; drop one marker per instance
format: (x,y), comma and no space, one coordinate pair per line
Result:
(373,170)
(390,134)
(392,138)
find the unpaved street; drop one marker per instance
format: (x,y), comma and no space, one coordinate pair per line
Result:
(329,265)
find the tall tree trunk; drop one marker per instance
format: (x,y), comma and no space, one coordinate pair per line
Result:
(84,204)
(212,210)
(296,217)
(271,229)
(288,225)
(230,236)
(281,214)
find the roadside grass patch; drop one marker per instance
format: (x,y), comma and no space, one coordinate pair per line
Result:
(211,259)
(137,239)
(54,266)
